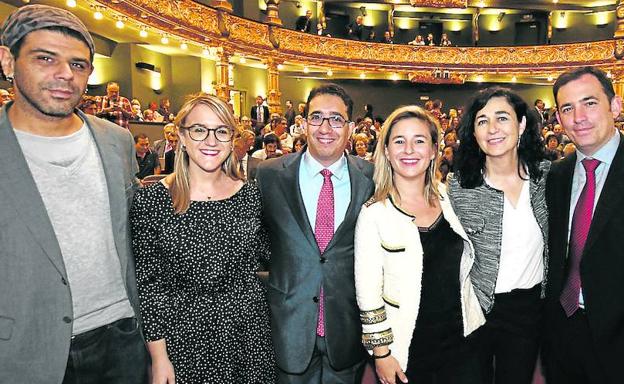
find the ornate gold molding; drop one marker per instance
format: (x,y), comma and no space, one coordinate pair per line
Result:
(439,3)
(208,26)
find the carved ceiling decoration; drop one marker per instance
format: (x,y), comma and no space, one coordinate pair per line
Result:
(439,3)
(436,77)
(207,26)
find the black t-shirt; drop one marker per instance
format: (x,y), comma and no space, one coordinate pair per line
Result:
(147,164)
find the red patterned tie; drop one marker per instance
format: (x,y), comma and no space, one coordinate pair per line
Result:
(581,222)
(323,232)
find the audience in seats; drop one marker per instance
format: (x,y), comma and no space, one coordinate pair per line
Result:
(147,160)
(5,97)
(259,114)
(198,241)
(444,41)
(356,28)
(280,129)
(297,129)
(165,109)
(152,114)
(169,159)
(299,143)
(418,40)
(114,107)
(289,114)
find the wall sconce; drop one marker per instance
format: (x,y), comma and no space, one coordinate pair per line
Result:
(147,67)
(500,16)
(363,10)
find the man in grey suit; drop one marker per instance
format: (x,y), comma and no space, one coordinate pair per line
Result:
(68,300)
(311,202)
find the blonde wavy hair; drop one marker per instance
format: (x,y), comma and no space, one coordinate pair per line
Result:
(384,175)
(179,181)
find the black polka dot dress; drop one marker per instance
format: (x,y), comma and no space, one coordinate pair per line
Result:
(196,275)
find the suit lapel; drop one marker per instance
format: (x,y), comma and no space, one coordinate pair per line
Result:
(290,186)
(19,186)
(610,197)
(113,171)
(564,193)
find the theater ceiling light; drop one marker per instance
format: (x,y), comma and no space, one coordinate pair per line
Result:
(143,32)
(306,70)
(330,73)
(164,39)
(71,3)
(184,45)
(362,75)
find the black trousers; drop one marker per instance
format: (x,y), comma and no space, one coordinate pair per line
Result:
(508,342)
(111,354)
(571,356)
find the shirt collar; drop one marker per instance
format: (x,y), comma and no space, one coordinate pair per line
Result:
(604,154)
(314,168)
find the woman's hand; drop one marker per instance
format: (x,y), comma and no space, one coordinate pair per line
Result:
(388,368)
(162,369)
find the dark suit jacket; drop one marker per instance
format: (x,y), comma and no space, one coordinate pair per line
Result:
(602,264)
(297,269)
(303,24)
(34,296)
(254,115)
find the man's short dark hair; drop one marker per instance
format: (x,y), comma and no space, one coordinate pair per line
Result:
(575,74)
(15,48)
(139,136)
(537,101)
(270,139)
(331,89)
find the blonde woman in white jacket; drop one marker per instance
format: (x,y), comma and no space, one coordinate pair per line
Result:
(412,263)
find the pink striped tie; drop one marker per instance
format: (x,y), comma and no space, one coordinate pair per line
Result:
(581,222)
(323,232)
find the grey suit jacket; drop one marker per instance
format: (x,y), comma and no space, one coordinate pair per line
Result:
(252,167)
(297,269)
(35,299)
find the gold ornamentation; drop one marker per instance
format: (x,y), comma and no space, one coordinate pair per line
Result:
(374,316)
(206,26)
(439,3)
(375,339)
(432,78)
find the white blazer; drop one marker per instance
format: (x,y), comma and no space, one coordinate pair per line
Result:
(388,275)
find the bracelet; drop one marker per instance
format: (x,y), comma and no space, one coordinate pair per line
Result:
(377,357)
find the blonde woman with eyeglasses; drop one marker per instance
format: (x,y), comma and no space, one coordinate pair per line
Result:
(412,263)
(198,242)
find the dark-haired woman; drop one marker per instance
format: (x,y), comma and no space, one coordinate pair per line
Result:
(498,194)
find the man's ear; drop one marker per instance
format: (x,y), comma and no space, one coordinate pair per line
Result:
(6,61)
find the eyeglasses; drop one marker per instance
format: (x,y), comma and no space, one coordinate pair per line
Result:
(198,132)
(334,121)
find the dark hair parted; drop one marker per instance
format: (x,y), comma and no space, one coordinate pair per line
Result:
(331,89)
(470,159)
(575,74)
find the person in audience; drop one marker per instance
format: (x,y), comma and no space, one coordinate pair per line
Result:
(198,241)
(246,123)
(551,150)
(147,160)
(137,115)
(304,23)
(69,309)
(169,158)
(88,106)
(372,36)
(321,30)
(259,114)
(164,145)
(561,136)
(297,129)
(250,139)
(387,38)
(360,144)
(271,148)
(299,143)
(450,140)
(356,28)
(377,123)
(114,107)
(289,114)
(5,97)
(444,41)
(306,198)
(585,298)
(569,149)
(418,40)
(152,114)
(247,164)
(279,127)
(412,263)
(165,110)
(446,163)
(430,41)
(497,192)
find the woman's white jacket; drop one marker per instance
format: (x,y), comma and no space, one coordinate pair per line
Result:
(388,275)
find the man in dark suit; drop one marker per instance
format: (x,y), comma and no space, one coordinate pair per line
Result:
(311,201)
(247,164)
(259,114)
(69,309)
(356,28)
(304,24)
(585,194)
